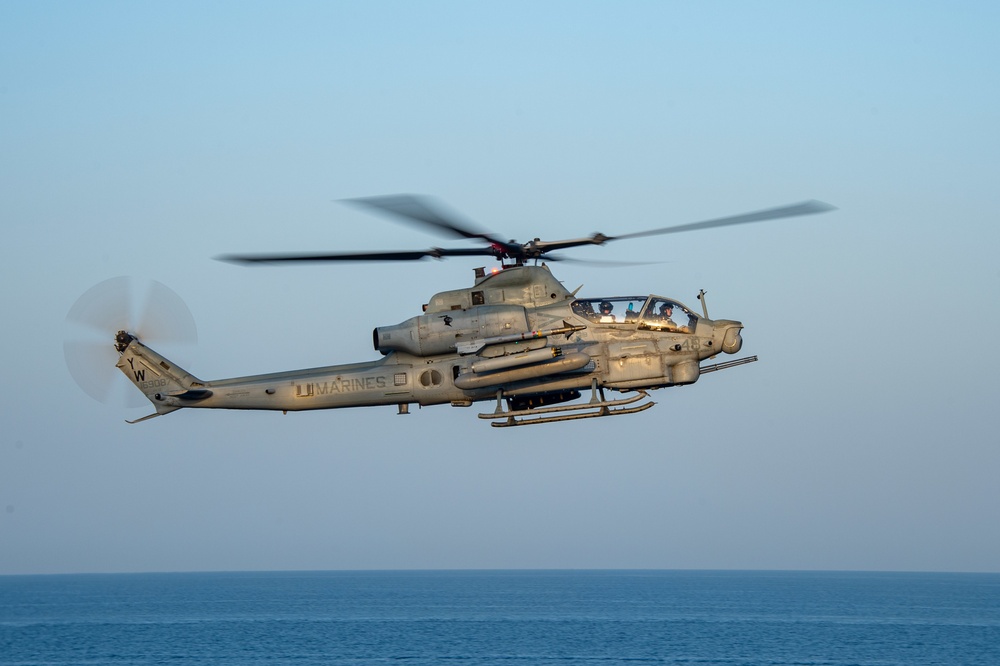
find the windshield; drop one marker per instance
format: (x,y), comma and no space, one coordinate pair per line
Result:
(663,314)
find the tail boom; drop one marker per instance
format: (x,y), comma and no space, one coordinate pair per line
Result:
(169,387)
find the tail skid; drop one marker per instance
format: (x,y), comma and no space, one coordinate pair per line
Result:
(155,376)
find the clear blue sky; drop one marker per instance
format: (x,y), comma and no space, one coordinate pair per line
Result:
(144,139)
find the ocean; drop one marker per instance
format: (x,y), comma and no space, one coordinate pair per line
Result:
(473,618)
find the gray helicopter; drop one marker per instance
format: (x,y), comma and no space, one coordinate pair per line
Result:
(516,336)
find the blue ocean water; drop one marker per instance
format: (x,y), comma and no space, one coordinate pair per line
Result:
(502,617)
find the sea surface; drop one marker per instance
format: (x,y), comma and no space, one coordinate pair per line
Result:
(502,617)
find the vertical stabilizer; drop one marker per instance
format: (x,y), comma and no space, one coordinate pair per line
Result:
(154,375)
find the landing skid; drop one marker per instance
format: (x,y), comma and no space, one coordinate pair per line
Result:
(602,406)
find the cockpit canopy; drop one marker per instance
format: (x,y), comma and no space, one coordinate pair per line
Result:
(649,313)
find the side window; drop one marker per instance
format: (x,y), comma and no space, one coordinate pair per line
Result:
(614,310)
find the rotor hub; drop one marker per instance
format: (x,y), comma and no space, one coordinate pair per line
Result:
(122,340)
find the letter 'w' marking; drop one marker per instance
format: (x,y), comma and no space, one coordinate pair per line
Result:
(140,375)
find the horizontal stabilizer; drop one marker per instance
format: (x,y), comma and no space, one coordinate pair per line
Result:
(160,411)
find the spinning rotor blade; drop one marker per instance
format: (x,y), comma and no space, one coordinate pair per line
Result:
(598,262)
(412,208)
(409,208)
(106,304)
(435,253)
(150,311)
(92,366)
(805,208)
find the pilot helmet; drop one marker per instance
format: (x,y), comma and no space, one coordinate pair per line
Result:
(666,306)
(606,306)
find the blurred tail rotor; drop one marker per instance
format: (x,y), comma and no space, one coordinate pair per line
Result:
(149,310)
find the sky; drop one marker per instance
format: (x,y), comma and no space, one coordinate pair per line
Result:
(145,139)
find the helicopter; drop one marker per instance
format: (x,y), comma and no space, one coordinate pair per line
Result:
(517,336)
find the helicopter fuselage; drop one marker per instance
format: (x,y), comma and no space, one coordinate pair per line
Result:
(516,334)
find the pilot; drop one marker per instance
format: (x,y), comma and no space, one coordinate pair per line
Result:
(584,309)
(666,311)
(606,316)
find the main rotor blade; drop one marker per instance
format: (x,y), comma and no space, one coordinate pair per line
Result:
(412,208)
(597,262)
(805,208)
(547,246)
(435,253)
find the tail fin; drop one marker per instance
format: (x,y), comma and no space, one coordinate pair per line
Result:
(159,379)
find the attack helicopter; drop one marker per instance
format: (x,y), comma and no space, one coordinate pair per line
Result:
(517,336)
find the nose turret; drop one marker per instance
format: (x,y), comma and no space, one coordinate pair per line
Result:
(726,335)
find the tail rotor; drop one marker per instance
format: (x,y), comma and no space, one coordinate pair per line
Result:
(148,310)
